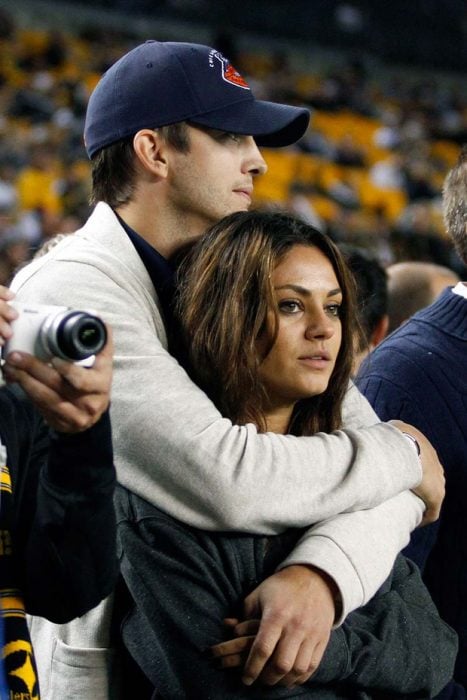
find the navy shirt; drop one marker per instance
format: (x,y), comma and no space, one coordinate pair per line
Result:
(159,269)
(162,274)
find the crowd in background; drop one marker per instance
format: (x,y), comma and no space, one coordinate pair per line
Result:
(368,171)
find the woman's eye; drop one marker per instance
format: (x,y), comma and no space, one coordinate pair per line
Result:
(289,307)
(333,310)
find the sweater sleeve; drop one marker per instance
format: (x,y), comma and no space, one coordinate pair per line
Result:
(358,549)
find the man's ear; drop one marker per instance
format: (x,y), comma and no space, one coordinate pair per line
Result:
(151,151)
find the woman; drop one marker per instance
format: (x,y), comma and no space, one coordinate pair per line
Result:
(266,307)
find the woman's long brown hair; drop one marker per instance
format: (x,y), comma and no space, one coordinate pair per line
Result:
(224,295)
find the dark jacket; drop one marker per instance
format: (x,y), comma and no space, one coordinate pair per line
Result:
(63,528)
(184,581)
(419,374)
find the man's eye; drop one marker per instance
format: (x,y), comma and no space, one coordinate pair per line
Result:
(229,136)
(334,310)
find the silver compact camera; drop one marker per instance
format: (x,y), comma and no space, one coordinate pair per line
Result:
(55,331)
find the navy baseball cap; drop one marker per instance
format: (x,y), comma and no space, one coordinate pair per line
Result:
(162,83)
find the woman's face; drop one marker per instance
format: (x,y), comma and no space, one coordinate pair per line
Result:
(303,356)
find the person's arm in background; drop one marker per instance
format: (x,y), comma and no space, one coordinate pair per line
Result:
(64,538)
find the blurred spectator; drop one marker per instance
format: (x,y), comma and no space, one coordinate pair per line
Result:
(414,285)
(388,135)
(387,173)
(316,143)
(348,152)
(8,191)
(344,191)
(299,203)
(416,236)
(418,181)
(37,182)
(418,374)
(15,250)
(372,301)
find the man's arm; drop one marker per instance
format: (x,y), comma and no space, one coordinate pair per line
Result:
(64,538)
(411,649)
(297,607)
(175,449)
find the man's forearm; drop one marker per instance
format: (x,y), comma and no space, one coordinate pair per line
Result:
(357,550)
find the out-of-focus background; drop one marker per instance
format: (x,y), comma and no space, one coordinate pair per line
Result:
(385,82)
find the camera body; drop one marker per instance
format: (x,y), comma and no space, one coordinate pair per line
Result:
(47,331)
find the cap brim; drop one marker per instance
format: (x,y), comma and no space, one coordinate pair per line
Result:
(270,123)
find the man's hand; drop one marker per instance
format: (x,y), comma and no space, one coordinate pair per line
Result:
(291,614)
(432,487)
(71,398)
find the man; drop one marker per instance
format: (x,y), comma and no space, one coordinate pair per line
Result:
(173,131)
(372,299)
(419,374)
(57,540)
(414,285)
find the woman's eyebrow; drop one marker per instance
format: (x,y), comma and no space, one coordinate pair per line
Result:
(306,292)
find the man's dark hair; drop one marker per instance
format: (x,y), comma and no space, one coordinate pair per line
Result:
(113,168)
(372,292)
(455,204)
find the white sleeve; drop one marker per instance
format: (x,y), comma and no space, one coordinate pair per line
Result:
(358,549)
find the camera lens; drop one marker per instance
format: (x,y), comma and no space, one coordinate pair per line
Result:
(75,335)
(88,335)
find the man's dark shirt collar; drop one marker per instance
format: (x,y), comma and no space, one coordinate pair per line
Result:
(159,270)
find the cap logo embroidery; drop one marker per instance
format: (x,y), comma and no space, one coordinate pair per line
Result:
(229,74)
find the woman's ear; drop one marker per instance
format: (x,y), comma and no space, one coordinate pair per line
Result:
(151,152)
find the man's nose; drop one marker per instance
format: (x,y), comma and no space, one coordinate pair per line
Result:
(254,160)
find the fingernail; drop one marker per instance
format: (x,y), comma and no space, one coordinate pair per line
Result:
(246,680)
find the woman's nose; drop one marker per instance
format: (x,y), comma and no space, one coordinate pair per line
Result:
(319,326)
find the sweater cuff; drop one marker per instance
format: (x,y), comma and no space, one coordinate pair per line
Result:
(321,552)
